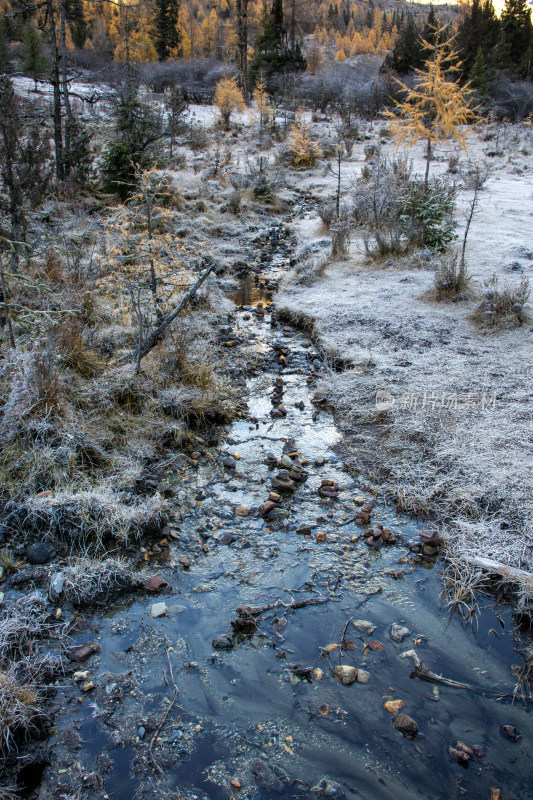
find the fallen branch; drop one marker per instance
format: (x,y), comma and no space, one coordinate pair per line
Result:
(158,333)
(255,611)
(511,574)
(163,721)
(343,638)
(425,674)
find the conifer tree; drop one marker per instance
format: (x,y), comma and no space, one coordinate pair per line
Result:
(271,51)
(76,18)
(34,62)
(167,34)
(408,51)
(242,43)
(437,108)
(517,36)
(478,75)
(431,27)
(479,27)
(5,55)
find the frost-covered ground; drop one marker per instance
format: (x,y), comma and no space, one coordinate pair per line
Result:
(440,409)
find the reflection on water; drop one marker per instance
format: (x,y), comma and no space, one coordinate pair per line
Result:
(251,291)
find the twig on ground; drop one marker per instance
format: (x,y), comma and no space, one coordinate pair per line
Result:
(425,674)
(163,721)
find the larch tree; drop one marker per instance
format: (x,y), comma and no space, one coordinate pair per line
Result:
(228,98)
(437,108)
(263,110)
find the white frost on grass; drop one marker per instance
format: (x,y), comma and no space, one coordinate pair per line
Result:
(457,439)
(95,515)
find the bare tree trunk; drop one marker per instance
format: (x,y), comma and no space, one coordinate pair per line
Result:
(339,159)
(507,573)
(292,38)
(58,133)
(153,278)
(428,159)
(66,98)
(7,312)
(242,44)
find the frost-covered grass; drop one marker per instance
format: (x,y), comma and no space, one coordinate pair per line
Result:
(19,712)
(451,437)
(27,619)
(89,581)
(93,516)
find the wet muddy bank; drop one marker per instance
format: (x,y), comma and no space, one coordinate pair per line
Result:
(233,690)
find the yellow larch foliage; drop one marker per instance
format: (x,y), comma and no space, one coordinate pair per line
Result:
(228,98)
(341,55)
(262,108)
(303,151)
(437,108)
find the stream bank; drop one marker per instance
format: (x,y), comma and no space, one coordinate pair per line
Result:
(231,692)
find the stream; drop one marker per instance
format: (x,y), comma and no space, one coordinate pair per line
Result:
(257,720)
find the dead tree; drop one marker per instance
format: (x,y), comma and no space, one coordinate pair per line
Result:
(242,44)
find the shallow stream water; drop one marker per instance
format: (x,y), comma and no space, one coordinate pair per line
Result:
(243,704)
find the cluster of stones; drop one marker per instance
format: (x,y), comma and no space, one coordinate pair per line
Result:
(363,515)
(282,350)
(226,335)
(328,490)
(260,310)
(428,544)
(291,473)
(278,409)
(463,753)
(378,536)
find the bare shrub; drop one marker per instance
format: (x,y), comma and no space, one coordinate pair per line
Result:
(400,212)
(197,137)
(90,581)
(513,100)
(379,206)
(451,277)
(453,163)
(34,392)
(503,304)
(71,345)
(340,236)
(327,211)
(260,178)
(310,264)
(234,201)
(197,77)
(358,88)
